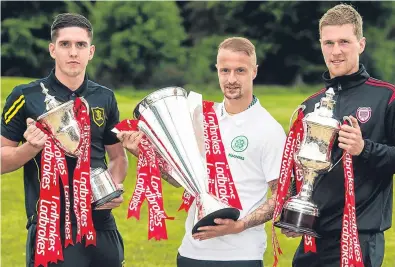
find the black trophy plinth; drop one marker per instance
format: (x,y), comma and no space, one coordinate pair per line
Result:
(297,222)
(227,213)
(107,198)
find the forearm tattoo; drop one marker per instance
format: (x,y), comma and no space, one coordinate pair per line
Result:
(264,212)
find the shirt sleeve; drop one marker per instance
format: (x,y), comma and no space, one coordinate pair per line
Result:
(272,153)
(13,118)
(382,156)
(110,138)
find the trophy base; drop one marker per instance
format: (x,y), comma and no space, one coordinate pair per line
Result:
(295,229)
(297,222)
(227,213)
(107,198)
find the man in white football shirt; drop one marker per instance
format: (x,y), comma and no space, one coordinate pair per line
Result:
(253,142)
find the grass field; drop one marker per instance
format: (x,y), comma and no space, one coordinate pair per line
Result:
(139,252)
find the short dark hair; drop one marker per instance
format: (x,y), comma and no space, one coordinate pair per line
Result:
(66,20)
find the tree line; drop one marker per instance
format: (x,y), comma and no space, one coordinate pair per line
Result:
(149,44)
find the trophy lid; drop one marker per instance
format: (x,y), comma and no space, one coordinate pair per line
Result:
(156,96)
(327,103)
(49,100)
(323,115)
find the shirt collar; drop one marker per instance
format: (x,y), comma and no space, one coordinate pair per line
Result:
(223,114)
(62,90)
(346,81)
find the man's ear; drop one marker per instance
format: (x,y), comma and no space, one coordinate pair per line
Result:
(362,44)
(255,72)
(51,49)
(91,51)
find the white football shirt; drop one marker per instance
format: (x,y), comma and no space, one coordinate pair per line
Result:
(254,142)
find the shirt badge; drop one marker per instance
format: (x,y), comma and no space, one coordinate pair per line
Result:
(239,143)
(364,114)
(98,116)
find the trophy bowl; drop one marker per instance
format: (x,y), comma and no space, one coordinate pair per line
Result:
(62,124)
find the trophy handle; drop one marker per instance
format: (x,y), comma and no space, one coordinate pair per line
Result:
(303,107)
(345,118)
(85,103)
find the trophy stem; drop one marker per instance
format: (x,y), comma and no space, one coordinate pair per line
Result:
(308,184)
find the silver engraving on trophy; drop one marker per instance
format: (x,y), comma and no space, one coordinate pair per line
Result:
(314,158)
(103,187)
(61,122)
(165,119)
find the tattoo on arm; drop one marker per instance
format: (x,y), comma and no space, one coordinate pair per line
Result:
(264,212)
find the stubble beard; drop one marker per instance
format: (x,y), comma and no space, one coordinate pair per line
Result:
(234,95)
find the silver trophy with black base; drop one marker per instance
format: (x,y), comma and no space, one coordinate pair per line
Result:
(165,119)
(320,128)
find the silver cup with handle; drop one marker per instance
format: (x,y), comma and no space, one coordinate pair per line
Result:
(320,128)
(60,120)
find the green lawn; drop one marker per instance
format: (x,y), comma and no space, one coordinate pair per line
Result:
(138,250)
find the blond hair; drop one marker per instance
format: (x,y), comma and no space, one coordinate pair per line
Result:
(340,15)
(239,44)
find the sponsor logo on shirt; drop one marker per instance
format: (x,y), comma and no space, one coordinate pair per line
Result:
(235,156)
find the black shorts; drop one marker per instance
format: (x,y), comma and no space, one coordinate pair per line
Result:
(328,251)
(187,262)
(109,251)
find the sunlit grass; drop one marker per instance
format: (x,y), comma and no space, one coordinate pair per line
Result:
(139,252)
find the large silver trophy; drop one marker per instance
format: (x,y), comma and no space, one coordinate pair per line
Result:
(59,119)
(165,117)
(320,128)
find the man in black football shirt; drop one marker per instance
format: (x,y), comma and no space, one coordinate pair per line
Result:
(71,48)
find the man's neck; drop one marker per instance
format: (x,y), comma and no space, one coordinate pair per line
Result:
(73,83)
(235,106)
(353,71)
